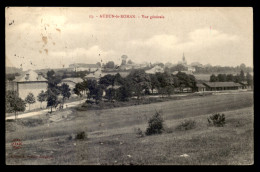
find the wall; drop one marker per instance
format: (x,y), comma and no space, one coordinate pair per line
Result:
(24,88)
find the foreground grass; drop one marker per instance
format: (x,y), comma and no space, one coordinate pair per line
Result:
(112,138)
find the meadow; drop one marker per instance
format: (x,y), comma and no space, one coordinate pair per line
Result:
(112,139)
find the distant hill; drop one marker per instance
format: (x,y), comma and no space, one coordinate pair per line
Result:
(9,70)
(83,65)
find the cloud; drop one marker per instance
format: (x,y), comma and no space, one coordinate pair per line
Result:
(161,41)
(205,37)
(80,55)
(196,41)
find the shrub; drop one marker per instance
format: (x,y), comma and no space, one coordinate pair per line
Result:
(90,101)
(168,129)
(186,125)
(139,132)
(80,136)
(70,137)
(155,124)
(217,120)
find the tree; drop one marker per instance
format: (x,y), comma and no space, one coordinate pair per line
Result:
(107,80)
(30,99)
(213,78)
(123,93)
(139,81)
(110,65)
(130,62)
(53,80)
(242,75)
(53,89)
(65,91)
(41,97)
(179,67)
(52,98)
(155,124)
(222,77)
(14,103)
(154,82)
(166,83)
(160,64)
(242,66)
(99,64)
(78,89)
(230,78)
(249,79)
(169,90)
(11,76)
(118,80)
(110,94)
(186,80)
(97,93)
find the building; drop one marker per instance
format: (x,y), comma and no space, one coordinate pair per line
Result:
(155,69)
(84,67)
(71,82)
(124,58)
(219,86)
(126,67)
(31,82)
(190,69)
(245,85)
(96,75)
(200,87)
(183,62)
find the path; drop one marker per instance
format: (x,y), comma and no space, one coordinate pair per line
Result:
(30,114)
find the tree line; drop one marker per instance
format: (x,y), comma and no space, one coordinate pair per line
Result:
(137,83)
(233,78)
(223,69)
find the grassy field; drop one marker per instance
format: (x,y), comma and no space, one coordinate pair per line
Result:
(111,135)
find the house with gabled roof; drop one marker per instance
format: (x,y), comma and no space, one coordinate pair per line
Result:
(31,82)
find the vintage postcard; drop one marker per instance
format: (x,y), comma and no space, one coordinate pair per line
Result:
(129,86)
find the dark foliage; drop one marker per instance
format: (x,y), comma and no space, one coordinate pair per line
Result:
(155,124)
(217,120)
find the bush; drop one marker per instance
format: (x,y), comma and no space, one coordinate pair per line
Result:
(90,101)
(155,124)
(186,125)
(217,120)
(168,129)
(80,136)
(31,122)
(70,137)
(139,132)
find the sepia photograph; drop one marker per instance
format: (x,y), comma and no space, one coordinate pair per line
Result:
(129,86)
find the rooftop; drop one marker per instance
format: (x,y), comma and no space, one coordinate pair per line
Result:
(30,76)
(222,84)
(75,80)
(200,85)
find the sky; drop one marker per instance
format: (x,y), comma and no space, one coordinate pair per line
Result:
(54,37)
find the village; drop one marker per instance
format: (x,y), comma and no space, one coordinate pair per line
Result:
(170,86)
(36,83)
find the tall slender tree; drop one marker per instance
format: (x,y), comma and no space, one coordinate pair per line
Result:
(30,99)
